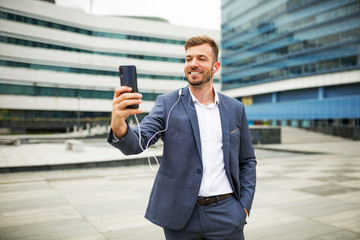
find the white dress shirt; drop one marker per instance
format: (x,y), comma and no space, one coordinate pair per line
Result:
(214,180)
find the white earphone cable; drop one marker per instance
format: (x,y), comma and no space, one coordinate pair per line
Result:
(211,74)
(147,144)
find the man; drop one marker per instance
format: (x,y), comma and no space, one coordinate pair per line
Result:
(206,181)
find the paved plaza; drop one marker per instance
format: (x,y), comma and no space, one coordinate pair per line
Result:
(304,191)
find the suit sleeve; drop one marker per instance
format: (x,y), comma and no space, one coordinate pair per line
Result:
(247,163)
(150,130)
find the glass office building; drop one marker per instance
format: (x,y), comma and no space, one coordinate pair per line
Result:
(293,62)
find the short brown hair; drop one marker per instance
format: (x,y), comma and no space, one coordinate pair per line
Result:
(199,40)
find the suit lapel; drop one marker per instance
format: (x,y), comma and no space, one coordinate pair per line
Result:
(225,126)
(190,110)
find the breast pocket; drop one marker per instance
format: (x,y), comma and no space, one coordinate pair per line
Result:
(235,138)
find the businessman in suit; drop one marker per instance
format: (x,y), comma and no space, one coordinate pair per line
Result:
(206,181)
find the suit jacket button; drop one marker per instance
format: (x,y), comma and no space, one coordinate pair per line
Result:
(198,171)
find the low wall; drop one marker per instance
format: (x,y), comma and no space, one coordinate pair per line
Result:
(345,132)
(265,134)
(47,126)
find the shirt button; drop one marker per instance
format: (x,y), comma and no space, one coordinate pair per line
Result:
(198,171)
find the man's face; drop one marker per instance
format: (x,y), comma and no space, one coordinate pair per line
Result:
(198,64)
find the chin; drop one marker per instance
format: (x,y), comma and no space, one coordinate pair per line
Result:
(197,83)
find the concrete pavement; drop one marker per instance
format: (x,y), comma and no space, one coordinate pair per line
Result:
(55,156)
(300,195)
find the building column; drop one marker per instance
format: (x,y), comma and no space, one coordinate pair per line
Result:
(274,98)
(273,101)
(321,93)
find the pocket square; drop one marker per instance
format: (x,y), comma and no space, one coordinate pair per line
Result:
(234,131)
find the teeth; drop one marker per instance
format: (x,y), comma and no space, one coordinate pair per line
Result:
(194,72)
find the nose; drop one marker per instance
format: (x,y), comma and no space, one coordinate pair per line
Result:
(194,63)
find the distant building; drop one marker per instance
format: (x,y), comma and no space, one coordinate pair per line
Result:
(293,62)
(59,67)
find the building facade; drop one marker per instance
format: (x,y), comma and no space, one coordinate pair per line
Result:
(293,62)
(59,67)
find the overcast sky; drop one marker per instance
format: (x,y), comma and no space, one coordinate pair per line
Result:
(194,13)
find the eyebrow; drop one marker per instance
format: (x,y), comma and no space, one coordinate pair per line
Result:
(196,56)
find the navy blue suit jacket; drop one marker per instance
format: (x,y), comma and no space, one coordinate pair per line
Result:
(177,183)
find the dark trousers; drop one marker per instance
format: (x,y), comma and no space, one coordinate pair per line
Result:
(217,221)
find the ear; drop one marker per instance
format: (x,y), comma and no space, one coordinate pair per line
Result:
(216,67)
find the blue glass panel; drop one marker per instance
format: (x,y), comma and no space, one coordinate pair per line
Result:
(334,108)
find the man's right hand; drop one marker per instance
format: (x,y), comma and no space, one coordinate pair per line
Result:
(123,97)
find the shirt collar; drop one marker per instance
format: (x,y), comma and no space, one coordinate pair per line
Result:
(216,103)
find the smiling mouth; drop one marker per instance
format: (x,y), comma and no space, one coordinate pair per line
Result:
(191,73)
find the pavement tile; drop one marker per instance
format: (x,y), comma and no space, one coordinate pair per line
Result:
(152,232)
(291,182)
(318,207)
(24,186)
(328,189)
(282,197)
(265,218)
(352,197)
(69,228)
(340,235)
(343,219)
(356,230)
(22,205)
(309,174)
(41,215)
(304,233)
(254,233)
(27,195)
(338,178)
(352,183)
(119,220)
(95,236)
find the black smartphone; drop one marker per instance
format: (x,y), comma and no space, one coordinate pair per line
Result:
(128,77)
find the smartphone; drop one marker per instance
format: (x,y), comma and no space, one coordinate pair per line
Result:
(128,77)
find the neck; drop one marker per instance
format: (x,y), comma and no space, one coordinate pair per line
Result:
(204,93)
